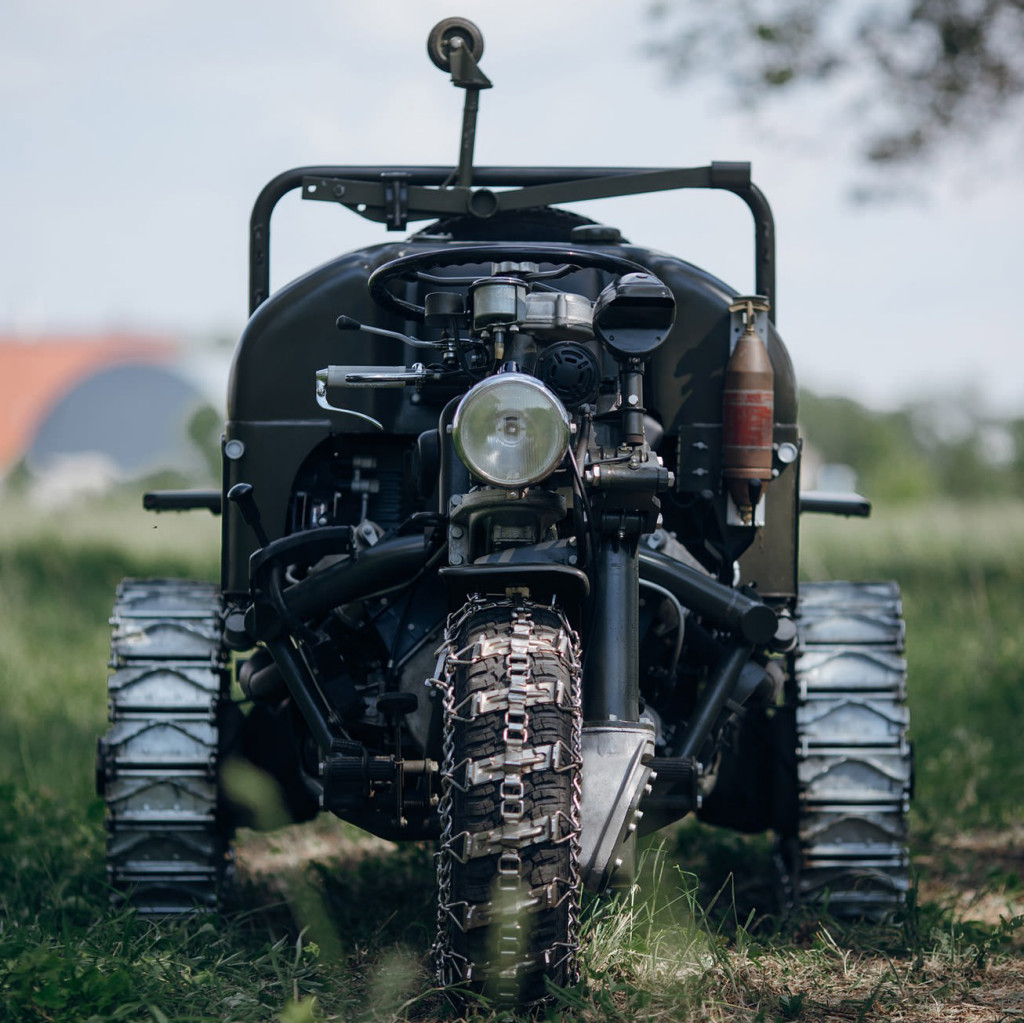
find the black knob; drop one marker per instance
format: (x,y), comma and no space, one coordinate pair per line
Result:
(394,705)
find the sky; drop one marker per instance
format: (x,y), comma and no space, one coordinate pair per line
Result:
(137,133)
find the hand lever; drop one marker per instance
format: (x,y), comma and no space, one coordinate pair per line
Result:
(347,323)
(242,495)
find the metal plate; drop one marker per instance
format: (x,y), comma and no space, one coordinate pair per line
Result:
(851,628)
(155,638)
(160,686)
(163,744)
(827,596)
(851,721)
(165,598)
(148,798)
(851,831)
(871,777)
(850,669)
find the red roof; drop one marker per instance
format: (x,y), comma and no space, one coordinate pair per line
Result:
(36,371)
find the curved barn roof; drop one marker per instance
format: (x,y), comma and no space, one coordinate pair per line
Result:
(136,416)
(37,371)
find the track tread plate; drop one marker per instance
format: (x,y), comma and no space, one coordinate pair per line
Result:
(854,757)
(167,852)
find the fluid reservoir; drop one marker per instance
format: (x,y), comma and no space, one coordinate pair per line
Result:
(748,413)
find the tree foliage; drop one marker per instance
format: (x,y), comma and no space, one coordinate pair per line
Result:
(947,446)
(913,74)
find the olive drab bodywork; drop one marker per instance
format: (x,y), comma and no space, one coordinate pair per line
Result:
(510,523)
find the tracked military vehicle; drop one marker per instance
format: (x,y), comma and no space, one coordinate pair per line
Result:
(510,513)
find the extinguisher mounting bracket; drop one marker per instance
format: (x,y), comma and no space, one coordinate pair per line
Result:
(739,309)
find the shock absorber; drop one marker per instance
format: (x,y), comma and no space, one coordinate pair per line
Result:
(748,412)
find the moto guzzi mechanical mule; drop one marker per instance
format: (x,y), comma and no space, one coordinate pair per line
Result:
(510,516)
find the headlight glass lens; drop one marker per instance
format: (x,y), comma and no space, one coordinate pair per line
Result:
(510,430)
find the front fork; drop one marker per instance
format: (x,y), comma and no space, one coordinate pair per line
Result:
(617,745)
(611,688)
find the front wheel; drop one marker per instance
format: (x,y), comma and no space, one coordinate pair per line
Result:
(508,866)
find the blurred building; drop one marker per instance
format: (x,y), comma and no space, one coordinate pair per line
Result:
(96,408)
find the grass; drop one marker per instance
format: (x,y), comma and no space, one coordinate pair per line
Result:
(961,568)
(329,925)
(64,956)
(57,580)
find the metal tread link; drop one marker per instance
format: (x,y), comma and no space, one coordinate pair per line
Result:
(167,852)
(854,762)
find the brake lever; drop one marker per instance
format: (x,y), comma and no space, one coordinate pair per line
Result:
(331,377)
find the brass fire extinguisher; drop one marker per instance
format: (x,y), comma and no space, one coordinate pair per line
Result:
(748,413)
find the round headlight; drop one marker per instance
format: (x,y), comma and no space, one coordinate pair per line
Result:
(510,430)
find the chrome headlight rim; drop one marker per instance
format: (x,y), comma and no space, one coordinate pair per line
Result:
(548,414)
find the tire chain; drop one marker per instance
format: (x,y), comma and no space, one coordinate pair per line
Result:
(854,760)
(168,851)
(518,649)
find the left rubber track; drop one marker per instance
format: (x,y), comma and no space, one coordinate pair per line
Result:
(168,842)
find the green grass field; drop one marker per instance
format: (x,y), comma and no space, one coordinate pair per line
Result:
(328,926)
(961,569)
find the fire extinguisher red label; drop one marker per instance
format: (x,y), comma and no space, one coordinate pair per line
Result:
(748,419)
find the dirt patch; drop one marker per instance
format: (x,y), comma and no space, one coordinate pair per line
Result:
(979,875)
(838,984)
(260,856)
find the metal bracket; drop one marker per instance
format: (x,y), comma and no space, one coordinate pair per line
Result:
(550,757)
(544,692)
(467,846)
(615,773)
(396,199)
(734,517)
(758,306)
(482,914)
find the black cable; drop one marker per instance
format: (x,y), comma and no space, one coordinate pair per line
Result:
(588,512)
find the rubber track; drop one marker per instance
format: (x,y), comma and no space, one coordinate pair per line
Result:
(854,759)
(167,851)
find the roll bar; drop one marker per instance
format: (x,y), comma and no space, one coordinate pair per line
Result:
(396,195)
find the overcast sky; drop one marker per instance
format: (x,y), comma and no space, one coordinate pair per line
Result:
(136,134)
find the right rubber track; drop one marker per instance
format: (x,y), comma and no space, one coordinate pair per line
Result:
(854,760)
